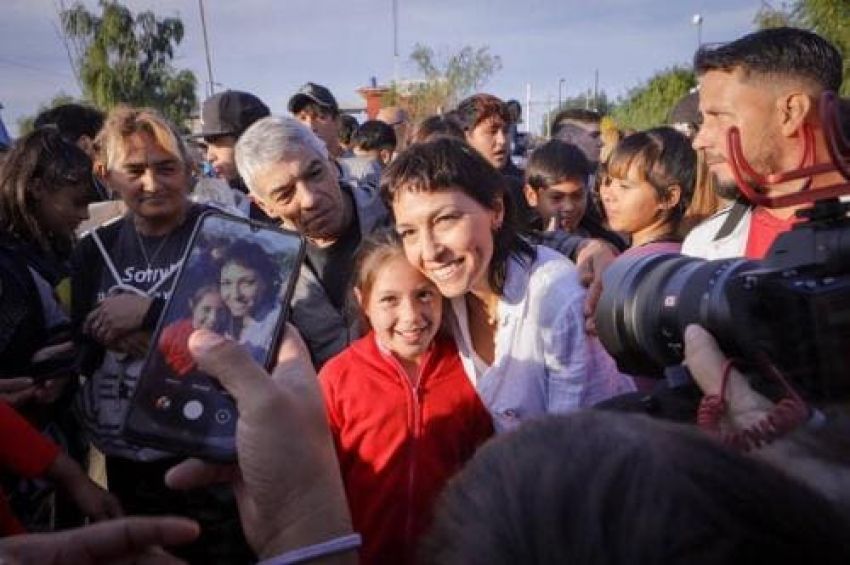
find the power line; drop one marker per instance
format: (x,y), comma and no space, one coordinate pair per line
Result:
(33,68)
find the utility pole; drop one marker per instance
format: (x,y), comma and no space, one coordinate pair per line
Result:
(210,83)
(560,93)
(697,21)
(395,42)
(528,108)
(596,91)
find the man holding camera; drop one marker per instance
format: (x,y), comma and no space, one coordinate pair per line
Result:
(768,84)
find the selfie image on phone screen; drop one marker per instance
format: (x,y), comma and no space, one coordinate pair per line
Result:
(236,280)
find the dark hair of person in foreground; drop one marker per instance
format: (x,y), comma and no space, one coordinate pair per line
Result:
(607,488)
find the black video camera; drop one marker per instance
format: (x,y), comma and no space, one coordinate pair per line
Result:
(792,308)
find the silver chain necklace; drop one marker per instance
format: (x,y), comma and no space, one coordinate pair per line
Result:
(152,258)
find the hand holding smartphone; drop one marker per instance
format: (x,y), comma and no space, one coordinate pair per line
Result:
(236,279)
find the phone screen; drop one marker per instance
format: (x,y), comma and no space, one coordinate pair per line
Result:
(236,279)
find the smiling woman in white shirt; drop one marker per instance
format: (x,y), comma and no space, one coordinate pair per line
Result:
(517,308)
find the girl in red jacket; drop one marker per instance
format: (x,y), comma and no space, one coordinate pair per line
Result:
(403,413)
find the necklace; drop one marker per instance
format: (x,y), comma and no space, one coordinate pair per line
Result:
(150,259)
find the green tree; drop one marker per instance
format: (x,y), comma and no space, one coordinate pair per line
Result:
(25,124)
(769,17)
(447,79)
(828,18)
(601,103)
(120,57)
(649,104)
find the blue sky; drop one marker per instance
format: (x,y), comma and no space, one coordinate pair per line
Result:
(272,47)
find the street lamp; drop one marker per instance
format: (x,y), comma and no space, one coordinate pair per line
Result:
(560,95)
(697,21)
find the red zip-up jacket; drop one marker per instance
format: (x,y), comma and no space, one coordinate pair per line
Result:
(399,441)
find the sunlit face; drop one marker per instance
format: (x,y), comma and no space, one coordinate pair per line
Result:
(241,289)
(61,210)
(726,99)
(302,190)
(222,156)
(324,124)
(403,307)
(152,182)
(490,139)
(448,236)
(208,312)
(566,202)
(631,204)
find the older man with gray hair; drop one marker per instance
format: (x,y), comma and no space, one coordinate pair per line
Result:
(291,178)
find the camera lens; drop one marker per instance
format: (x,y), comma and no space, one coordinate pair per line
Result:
(648,301)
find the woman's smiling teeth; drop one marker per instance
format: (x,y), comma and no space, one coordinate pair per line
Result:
(446,271)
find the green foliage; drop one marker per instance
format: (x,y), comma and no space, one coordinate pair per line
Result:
(25,124)
(585,100)
(648,105)
(828,18)
(122,58)
(447,79)
(769,17)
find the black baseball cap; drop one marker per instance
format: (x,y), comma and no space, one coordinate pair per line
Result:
(230,113)
(313,93)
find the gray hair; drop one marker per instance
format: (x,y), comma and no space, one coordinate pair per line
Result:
(268,140)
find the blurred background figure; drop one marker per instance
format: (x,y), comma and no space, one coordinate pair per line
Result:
(399,120)
(373,145)
(433,126)
(348,125)
(581,128)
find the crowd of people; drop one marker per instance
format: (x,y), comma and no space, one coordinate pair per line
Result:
(440,393)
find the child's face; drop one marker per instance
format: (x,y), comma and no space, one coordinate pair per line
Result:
(562,205)
(631,204)
(404,308)
(208,311)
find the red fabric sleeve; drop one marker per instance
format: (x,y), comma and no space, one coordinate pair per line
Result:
(23,450)
(174,346)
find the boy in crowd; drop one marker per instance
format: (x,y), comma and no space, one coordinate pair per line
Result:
(556,190)
(373,145)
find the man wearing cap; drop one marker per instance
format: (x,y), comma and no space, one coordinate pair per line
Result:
(399,120)
(224,116)
(316,107)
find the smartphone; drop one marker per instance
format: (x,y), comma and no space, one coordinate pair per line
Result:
(236,279)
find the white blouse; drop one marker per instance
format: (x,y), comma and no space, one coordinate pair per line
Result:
(545,362)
